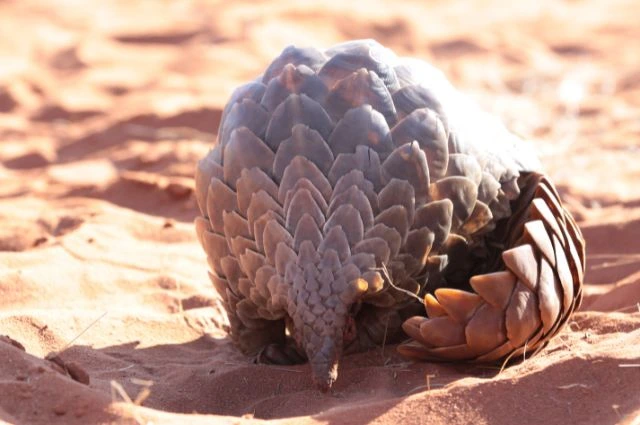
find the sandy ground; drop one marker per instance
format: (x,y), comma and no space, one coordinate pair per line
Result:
(105,106)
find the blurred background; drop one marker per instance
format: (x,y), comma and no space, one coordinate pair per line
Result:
(107,105)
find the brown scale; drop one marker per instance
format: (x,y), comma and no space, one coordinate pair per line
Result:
(342,208)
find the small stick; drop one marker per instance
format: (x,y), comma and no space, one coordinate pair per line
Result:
(140,398)
(385,272)
(524,354)
(429,376)
(287,369)
(568,386)
(55,353)
(117,388)
(627,308)
(384,338)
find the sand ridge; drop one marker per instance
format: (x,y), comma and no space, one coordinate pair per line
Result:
(106,311)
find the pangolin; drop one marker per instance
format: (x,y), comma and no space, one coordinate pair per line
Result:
(350,190)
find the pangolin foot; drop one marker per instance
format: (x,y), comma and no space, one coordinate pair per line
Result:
(279,354)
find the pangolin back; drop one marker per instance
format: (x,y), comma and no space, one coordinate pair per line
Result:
(346,180)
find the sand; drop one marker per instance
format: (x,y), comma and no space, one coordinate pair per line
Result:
(106,311)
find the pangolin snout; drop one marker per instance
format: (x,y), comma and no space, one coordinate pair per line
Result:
(324,328)
(324,374)
(324,364)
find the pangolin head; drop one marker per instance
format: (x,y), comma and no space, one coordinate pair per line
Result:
(322,300)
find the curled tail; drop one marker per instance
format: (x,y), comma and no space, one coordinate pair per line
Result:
(515,310)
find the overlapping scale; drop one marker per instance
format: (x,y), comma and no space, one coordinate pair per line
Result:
(245,113)
(220,198)
(461,192)
(216,247)
(306,184)
(356,177)
(408,162)
(293,55)
(296,109)
(361,88)
(260,204)
(425,127)
(292,79)
(414,96)
(348,218)
(336,164)
(389,235)
(253,91)
(479,221)
(488,188)
(251,181)
(514,311)
(419,243)
(395,217)
(235,225)
(364,159)
(357,199)
(303,142)
(435,216)
(349,58)
(307,229)
(362,125)
(302,168)
(302,202)
(245,151)
(273,234)
(398,192)
(206,169)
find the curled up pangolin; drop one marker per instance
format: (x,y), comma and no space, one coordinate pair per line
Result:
(351,190)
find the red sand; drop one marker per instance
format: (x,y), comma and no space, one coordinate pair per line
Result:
(105,107)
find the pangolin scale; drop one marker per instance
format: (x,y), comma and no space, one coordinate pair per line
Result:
(350,190)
